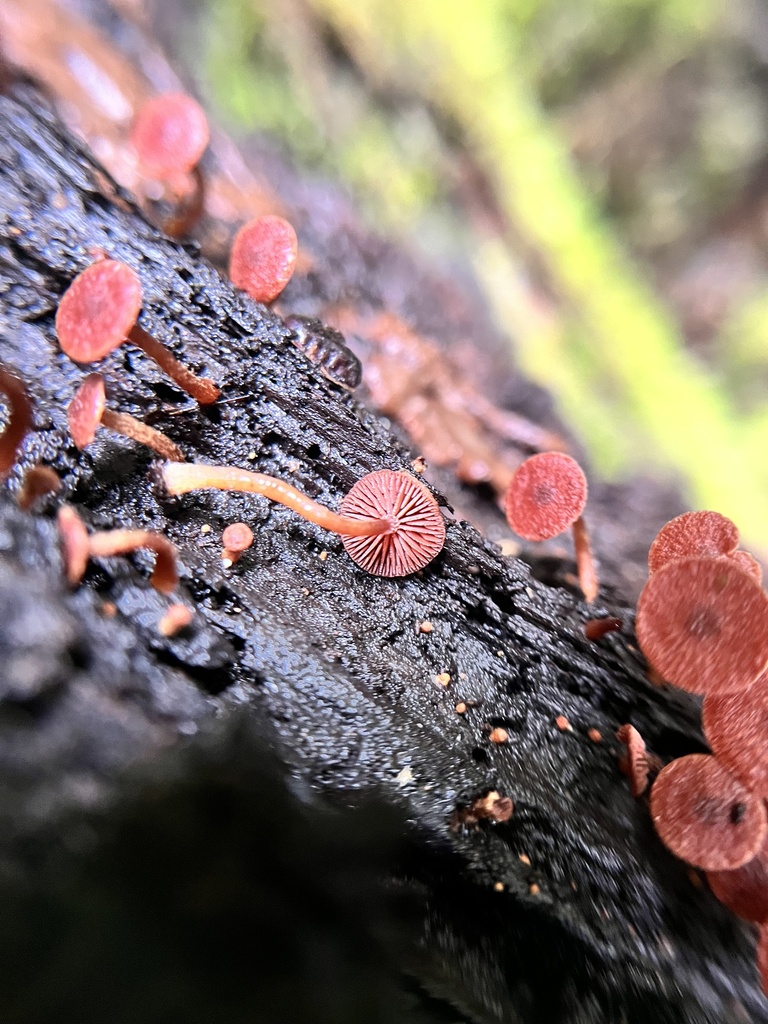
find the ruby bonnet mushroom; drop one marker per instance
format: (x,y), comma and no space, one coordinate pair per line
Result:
(78,546)
(390,524)
(705,816)
(736,727)
(701,533)
(702,623)
(98,312)
(744,890)
(546,495)
(263,257)
(169,136)
(88,410)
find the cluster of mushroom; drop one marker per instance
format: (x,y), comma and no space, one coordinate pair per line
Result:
(702,623)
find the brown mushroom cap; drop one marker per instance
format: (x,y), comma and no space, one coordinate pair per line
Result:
(705,816)
(702,623)
(98,310)
(700,533)
(745,890)
(736,727)
(546,495)
(419,529)
(170,134)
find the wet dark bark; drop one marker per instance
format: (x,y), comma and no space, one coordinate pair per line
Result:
(156,863)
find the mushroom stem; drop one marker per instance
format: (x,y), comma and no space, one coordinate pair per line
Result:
(120,542)
(129,426)
(189,212)
(585,565)
(19,420)
(201,388)
(182,477)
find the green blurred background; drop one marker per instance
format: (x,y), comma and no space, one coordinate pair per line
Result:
(601,164)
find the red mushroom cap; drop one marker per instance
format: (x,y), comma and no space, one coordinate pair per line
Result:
(264,253)
(702,623)
(86,409)
(237,537)
(546,495)
(693,533)
(98,310)
(418,531)
(745,890)
(736,727)
(170,134)
(705,816)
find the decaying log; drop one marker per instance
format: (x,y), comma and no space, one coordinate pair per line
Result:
(123,763)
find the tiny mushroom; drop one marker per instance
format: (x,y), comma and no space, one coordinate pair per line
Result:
(546,495)
(700,533)
(705,816)
(236,538)
(74,544)
(736,727)
(634,761)
(263,257)
(88,410)
(98,312)
(121,542)
(702,623)
(169,136)
(38,481)
(19,419)
(78,547)
(389,523)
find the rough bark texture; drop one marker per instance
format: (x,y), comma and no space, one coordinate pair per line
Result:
(155,862)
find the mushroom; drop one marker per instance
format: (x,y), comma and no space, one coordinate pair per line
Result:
(546,495)
(736,727)
(88,410)
(236,538)
(170,135)
(38,481)
(263,257)
(700,533)
(418,534)
(634,762)
(108,543)
(389,523)
(705,816)
(74,544)
(78,547)
(19,419)
(176,618)
(98,312)
(702,623)
(744,890)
